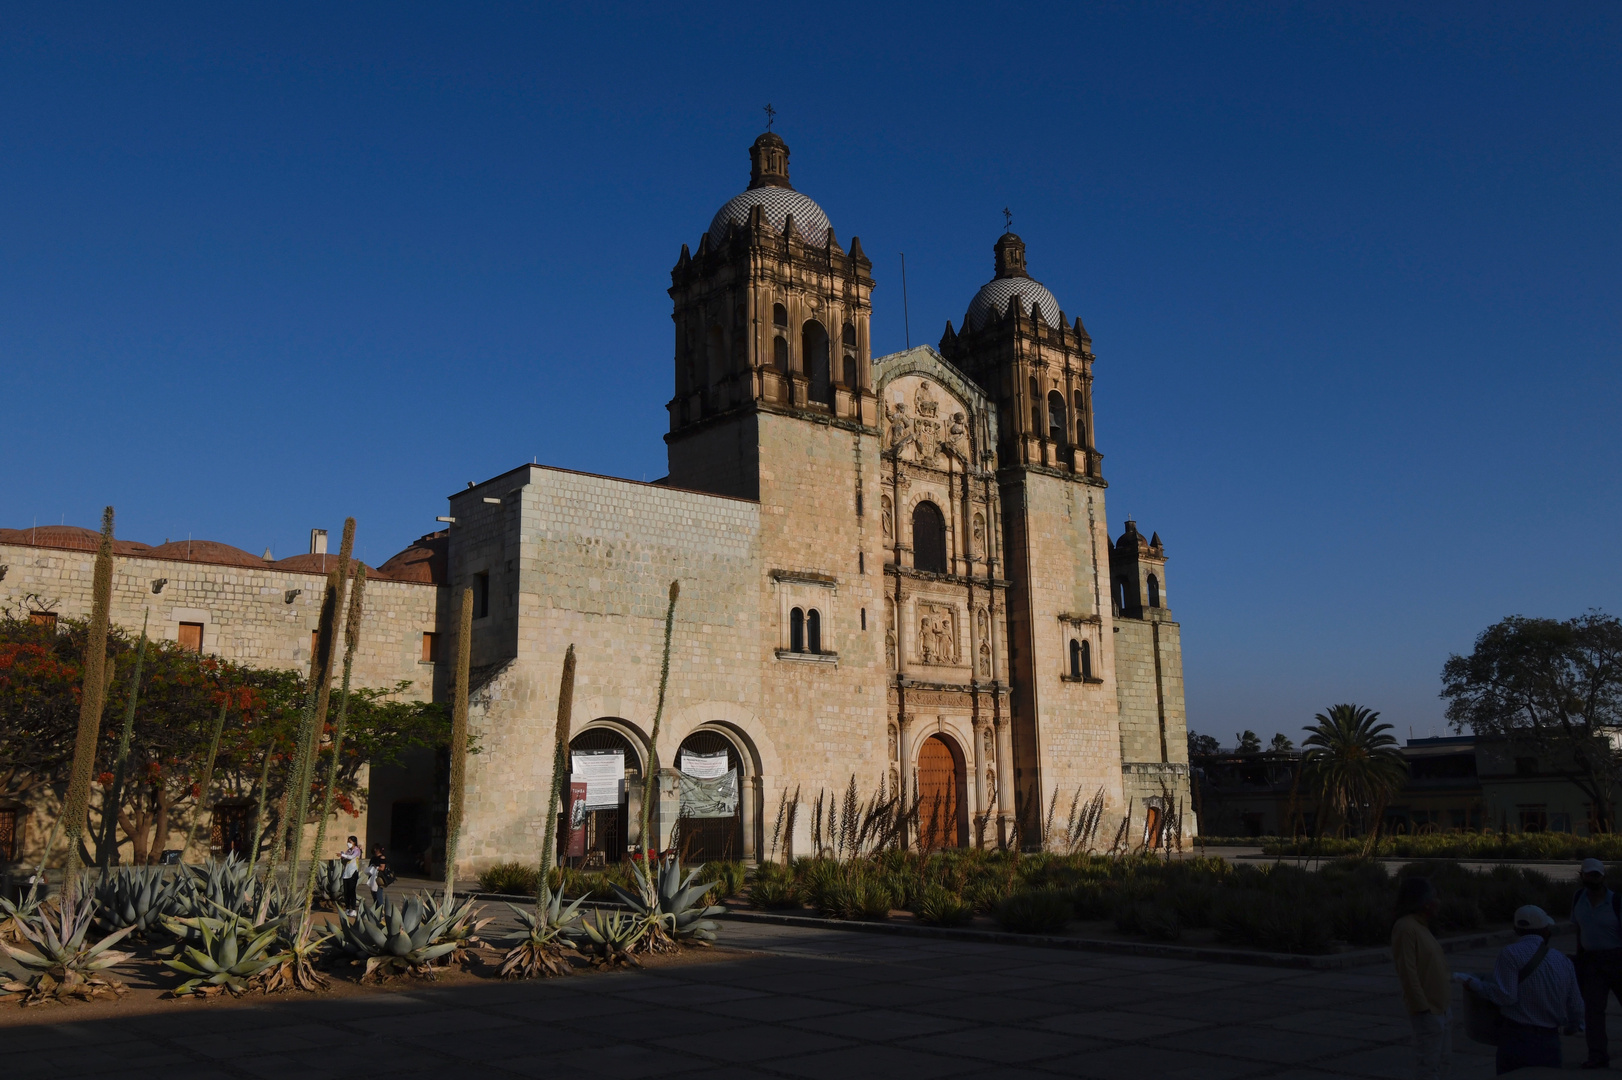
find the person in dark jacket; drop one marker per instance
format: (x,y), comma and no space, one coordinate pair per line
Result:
(1596,912)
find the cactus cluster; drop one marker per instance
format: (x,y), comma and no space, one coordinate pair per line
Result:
(671,906)
(228,955)
(613,938)
(137,898)
(60,964)
(541,947)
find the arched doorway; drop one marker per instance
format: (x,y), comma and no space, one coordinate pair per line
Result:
(943,816)
(607,826)
(711,825)
(814,346)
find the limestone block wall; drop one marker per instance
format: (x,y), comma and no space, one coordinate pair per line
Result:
(1146,689)
(1058,552)
(827,720)
(593,558)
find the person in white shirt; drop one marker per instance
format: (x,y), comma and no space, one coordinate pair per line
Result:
(1535,989)
(1597,913)
(351,855)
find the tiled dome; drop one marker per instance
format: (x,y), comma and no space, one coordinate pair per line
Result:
(425,561)
(992,300)
(205,551)
(809,220)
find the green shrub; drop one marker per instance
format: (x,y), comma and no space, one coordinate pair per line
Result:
(1362,917)
(510,879)
(1156,921)
(1276,923)
(728,876)
(774,895)
(1035,911)
(985,895)
(1459,913)
(1192,904)
(939,906)
(1092,901)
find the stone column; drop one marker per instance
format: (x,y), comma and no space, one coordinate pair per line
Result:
(749,800)
(981,807)
(667,807)
(1005,781)
(901,725)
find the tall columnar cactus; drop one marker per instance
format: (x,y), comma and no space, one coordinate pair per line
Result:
(295,798)
(453,817)
(208,775)
(652,772)
(76,807)
(560,759)
(351,643)
(112,798)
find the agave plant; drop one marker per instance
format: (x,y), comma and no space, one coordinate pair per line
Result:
(137,897)
(229,883)
(62,965)
(671,905)
(225,960)
(397,938)
(294,966)
(613,937)
(14,912)
(329,882)
(541,946)
(462,926)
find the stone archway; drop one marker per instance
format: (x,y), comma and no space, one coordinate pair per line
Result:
(943,804)
(710,836)
(608,829)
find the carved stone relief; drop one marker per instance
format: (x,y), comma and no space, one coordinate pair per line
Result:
(937,634)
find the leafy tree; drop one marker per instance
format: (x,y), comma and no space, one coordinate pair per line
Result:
(1202,745)
(1249,742)
(1281,743)
(1552,687)
(1353,764)
(181,694)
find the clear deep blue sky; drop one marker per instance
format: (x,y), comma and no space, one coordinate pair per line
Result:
(1351,272)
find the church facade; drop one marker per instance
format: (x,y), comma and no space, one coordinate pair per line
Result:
(896,575)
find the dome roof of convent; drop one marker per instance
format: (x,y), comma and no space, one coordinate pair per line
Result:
(70,538)
(425,561)
(1011,281)
(205,551)
(769,189)
(319,564)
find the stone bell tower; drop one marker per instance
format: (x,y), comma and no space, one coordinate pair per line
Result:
(771,316)
(1038,367)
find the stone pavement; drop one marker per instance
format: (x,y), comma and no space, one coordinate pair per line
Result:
(809,1003)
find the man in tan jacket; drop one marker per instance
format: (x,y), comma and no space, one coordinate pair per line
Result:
(1427,987)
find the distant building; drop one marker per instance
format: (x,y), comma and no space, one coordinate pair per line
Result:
(1454,783)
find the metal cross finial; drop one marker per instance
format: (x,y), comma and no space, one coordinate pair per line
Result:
(1008,219)
(771,114)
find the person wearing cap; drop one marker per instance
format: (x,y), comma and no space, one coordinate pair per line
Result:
(1597,913)
(1422,971)
(1535,989)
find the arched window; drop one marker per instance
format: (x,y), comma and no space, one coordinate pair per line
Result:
(1036,408)
(1154,591)
(929,538)
(1075,659)
(779,315)
(850,372)
(1058,425)
(796,631)
(780,353)
(813,631)
(716,354)
(1081,421)
(814,355)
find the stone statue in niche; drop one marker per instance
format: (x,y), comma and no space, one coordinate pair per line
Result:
(926,429)
(979,533)
(891,729)
(957,436)
(900,426)
(895,781)
(887,515)
(937,637)
(889,648)
(984,622)
(990,742)
(985,660)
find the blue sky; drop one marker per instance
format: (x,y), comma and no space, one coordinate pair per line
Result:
(1351,272)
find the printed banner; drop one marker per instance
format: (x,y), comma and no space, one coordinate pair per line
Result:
(717,798)
(577,818)
(704,766)
(603,773)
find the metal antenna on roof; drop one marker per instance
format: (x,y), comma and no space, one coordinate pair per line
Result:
(906,324)
(1008,219)
(771,114)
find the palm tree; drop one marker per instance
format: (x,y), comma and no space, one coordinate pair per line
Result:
(1353,763)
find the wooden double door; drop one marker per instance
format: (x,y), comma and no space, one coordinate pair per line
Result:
(943,804)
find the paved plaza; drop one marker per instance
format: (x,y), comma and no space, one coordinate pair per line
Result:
(803,1003)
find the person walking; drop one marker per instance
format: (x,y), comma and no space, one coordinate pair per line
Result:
(351,856)
(376,871)
(1596,911)
(1535,989)
(1422,971)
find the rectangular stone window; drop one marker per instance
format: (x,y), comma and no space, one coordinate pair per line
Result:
(481,594)
(46,619)
(191,636)
(430,647)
